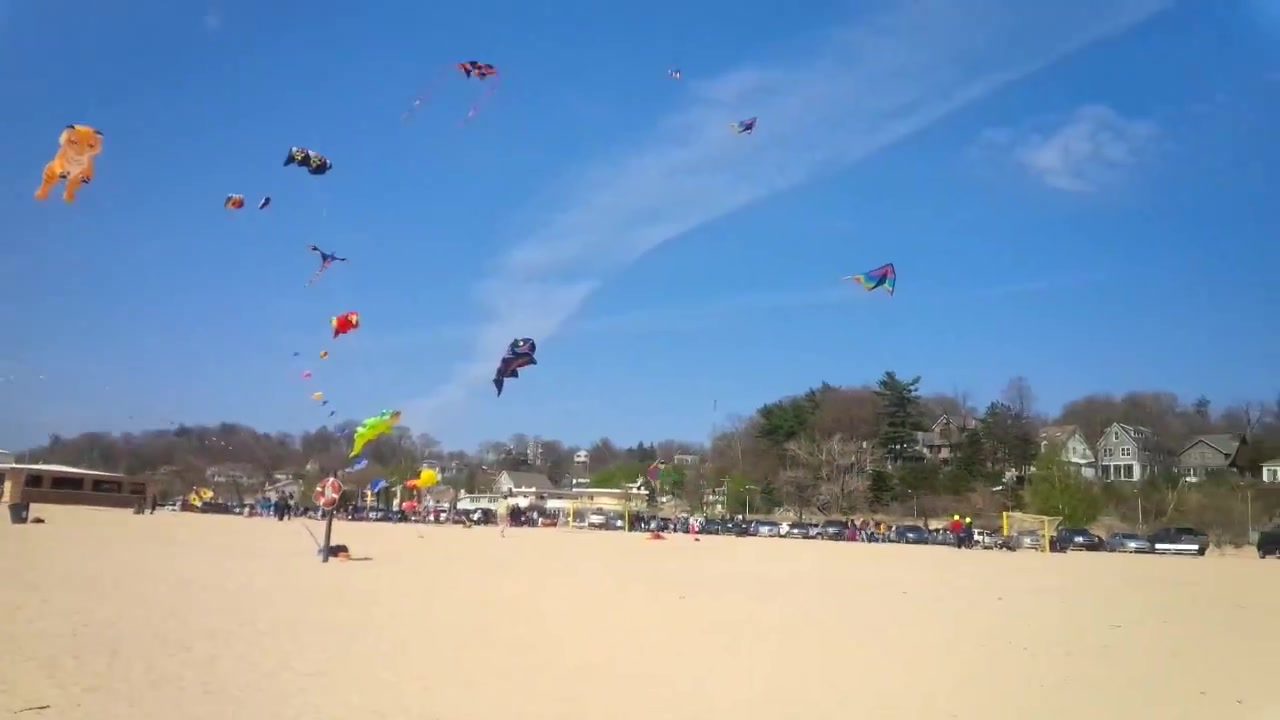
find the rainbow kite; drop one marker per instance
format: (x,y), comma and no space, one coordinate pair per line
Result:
(882,277)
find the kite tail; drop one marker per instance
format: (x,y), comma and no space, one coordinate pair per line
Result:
(316,276)
(491,87)
(424,97)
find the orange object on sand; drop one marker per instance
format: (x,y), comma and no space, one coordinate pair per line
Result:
(656,536)
(344,556)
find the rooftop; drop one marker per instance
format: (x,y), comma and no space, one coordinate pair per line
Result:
(51,468)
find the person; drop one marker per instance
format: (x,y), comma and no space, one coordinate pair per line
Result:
(957,531)
(968,532)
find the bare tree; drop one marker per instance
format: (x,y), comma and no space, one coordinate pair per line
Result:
(1018,395)
(824,473)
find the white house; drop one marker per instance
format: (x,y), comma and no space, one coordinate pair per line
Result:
(1271,471)
(509,482)
(1075,448)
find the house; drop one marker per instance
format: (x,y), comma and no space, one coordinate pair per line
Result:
(49,484)
(238,474)
(1075,448)
(939,442)
(684,459)
(509,482)
(1271,471)
(1126,452)
(1209,453)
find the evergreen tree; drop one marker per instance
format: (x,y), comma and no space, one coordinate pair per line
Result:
(880,488)
(899,417)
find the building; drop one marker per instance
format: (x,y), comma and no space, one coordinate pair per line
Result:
(1074,448)
(509,482)
(684,459)
(232,474)
(1209,453)
(1126,452)
(1271,471)
(6,457)
(940,441)
(66,485)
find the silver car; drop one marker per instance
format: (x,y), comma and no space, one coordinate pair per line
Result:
(1029,540)
(1128,542)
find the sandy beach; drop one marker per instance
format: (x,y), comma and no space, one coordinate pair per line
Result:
(110,615)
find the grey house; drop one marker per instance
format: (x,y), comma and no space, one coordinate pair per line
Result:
(1209,453)
(1126,452)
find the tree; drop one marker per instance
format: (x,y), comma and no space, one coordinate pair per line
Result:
(1056,489)
(899,417)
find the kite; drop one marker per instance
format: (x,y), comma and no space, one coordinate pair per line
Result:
(326,259)
(882,277)
(345,323)
(306,374)
(373,427)
(744,127)
(520,353)
(317,396)
(314,162)
(77,146)
(674,73)
(264,202)
(480,71)
(233,202)
(296,353)
(332,413)
(324,354)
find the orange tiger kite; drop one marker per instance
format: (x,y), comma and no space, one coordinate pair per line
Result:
(77,146)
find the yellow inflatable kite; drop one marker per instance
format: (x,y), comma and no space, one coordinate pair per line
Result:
(77,146)
(372,427)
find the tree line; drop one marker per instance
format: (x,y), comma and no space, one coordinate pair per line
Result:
(830,451)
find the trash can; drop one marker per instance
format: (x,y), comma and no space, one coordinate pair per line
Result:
(18,512)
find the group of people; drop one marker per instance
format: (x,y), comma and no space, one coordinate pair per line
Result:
(961,532)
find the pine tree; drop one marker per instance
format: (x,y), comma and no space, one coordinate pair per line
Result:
(899,417)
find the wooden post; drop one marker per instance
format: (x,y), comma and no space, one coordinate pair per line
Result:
(328,535)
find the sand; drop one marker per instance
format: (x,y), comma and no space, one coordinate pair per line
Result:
(105,615)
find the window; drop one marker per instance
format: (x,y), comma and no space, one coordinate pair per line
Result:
(137,488)
(66,483)
(1115,436)
(1128,471)
(1108,452)
(1273,475)
(1106,472)
(1189,472)
(35,482)
(115,487)
(1126,452)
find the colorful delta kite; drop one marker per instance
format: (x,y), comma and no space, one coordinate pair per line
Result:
(78,145)
(882,277)
(744,127)
(314,162)
(345,323)
(233,202)
(373,427)
(326,259)
(520,353)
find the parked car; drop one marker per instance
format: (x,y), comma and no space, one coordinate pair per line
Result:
(1179,540)
(985,539)
(800,530)
(1130,542)
(834,530)
(1078,539)
(711,526)
(910,535)
(1269,542)
(766,528)
(1027,540)
(737,529)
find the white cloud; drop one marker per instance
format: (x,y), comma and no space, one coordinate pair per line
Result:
(1091,148)
(866,87)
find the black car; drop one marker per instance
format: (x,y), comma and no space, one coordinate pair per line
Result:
(1077,539)
(1174,539)
(910,535)
(736,529)
(1269,543)
(710,526)
(834,530)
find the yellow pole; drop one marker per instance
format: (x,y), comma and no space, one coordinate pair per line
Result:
(1044,544)
(1004,524)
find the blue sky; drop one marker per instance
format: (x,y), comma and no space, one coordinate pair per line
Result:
(1077,192)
